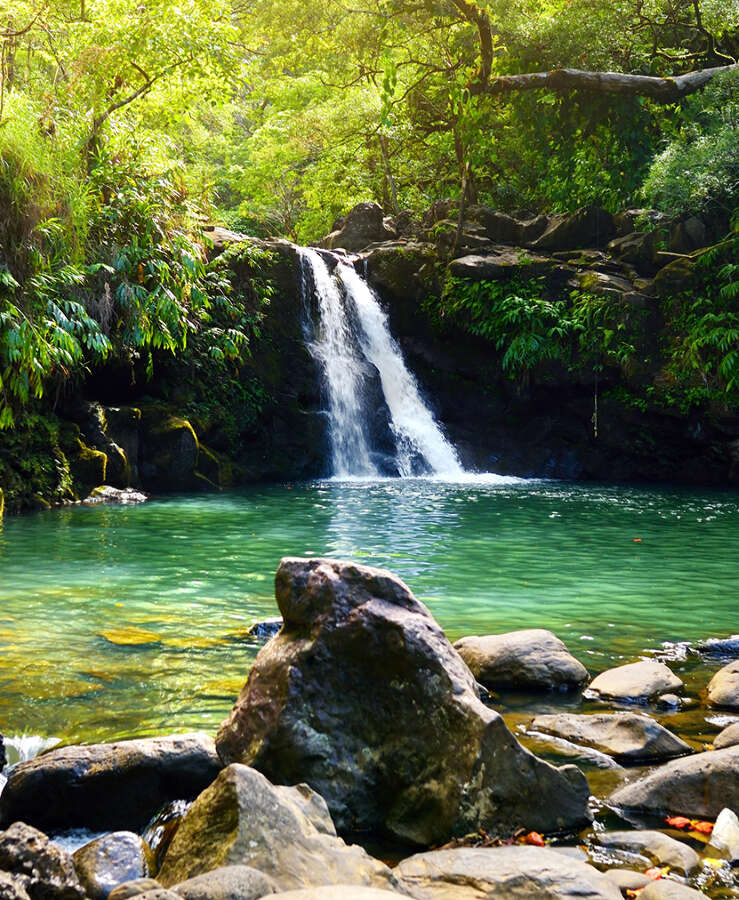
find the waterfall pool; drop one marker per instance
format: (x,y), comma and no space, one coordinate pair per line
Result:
(131,621)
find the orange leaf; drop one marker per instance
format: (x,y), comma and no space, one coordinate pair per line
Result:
(533,837)
(633,892)
(655,873)
(678,821)
(701,827)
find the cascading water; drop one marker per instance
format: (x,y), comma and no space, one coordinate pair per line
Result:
(352,342)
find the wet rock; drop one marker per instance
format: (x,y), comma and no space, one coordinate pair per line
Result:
(266,629)
(363,225)
(87,466)
(667,889)
(531,659)
(227,883)
(668,701)
(719,647)
(105,493)
(110,861)
(627,879)
(11,888)
(169,451)
(340,892)
(590,226)
(133,888)
(43,870)
(636,682)
(503,262)
(521,872)
(242,819)
(626,737)
(729,737)
(725,836)
(695,786)
(723,689)
(362,697)
(108,786)
(658,847)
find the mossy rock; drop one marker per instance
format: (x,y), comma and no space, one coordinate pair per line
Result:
(88,467)
(403,270)
(675,278)
(169,451)
(2,504)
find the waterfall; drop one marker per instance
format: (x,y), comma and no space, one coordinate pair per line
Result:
(352,343)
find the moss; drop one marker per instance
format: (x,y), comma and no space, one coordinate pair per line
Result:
(2,504)
(89,467)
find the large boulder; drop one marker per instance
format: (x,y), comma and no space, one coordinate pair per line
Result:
(590,226)
(656,846)
(108,786)
(516,873)
(627,737)
(43,870)
(729,737)
(668,889)
(112,860)
(533,659)
(362,696)
(637,682)
(696,786)
(502,262)
(363,225)
(723,689)
(283,832)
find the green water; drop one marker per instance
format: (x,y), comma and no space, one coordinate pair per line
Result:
(123,621)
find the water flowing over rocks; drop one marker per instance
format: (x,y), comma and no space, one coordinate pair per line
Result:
(637,682)
(699,785)
(518,873)
(362,696)
(43,870)
(243,819)
(627,737)
(532,659)
(106,786)
(110,861)
(723,690)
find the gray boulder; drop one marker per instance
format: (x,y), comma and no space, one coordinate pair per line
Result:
(340,892)
(531,659)
(105,493)
(658,847)
(133,888)
(667,889)
(110,861)
(695,786)
(636,682)
(241,819)
(625,736)
(516,873)
(590,226)
(729,737)
(108,786)
(723,689)
(363,225)
(43,870)
(627,879)
(725,836)
(503,261)
(361,696)
(227,883)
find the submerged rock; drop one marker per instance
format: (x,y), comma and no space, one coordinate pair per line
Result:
(625,736)
(362,696)
(526,873)
(696,786)
(242,819)
(728,646)
(531,659)
(110,861)
(107,786)
(723,689)
(266,629)
(43,870)
(636,682)
(658,847)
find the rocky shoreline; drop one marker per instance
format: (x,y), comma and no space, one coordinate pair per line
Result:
(361,726)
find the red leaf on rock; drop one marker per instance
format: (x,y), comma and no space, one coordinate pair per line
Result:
(678,821)
(701,827)
(655,873)
(533,837)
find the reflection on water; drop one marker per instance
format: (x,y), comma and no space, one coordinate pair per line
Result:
(117,621)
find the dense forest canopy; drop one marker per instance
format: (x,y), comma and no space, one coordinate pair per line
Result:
(124,126)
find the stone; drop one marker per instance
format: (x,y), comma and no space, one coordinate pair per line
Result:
(688,235)
(3,757)
(723,689)
(133,888)
(674,278)
(627,879)
(110,861)
(697,786)
(11,888)
(530,659)
(340,892)
(729,737)
(363,225)
(160,893)
(660,848)
(636,682)
(604,284)
(668,701)
(627,737)
(504,262)
(169,451)
(87,466)
(523,873)
(636,248)
(719,647)
(667,889)
(266,629)
(362,696)
(227,883)
(108,786)
(590,226)
(724,839)
(106,493)
(242,819)
(43,870)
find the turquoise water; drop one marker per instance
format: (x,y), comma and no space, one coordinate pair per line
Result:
(123,621)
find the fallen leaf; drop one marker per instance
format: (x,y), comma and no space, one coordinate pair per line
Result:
(678,821)
(701,827)
(655,873)
(533,837)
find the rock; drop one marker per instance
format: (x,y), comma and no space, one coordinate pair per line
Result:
(627,879)
(105,493)
(636,248)
(363,225)
(340,892)
(227,883)
(667,889)
(674,278)
(469,873)
(122,426)
(668,701)
(723,689)
(362,697)
(110,861)
(698,786)
(532,659)
(626,737)
(590,226)
(505,261)
(266,629)
(658,847)
(169,451)
(3,757)
(160,893)
(688,235)
(87,466)
(725,836)
(729,737)
(604,284)
(11,888)
(720,647)
(133,888)
(43,870)
(636,682)
(242,819)
(108,786)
